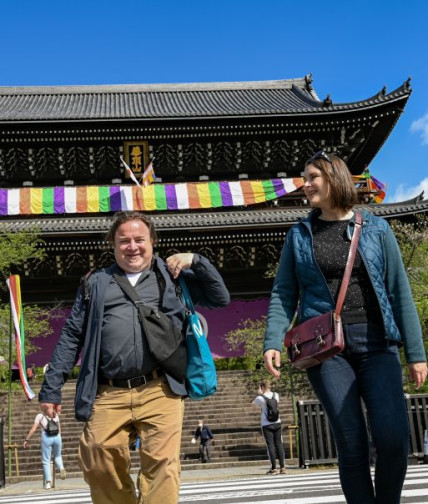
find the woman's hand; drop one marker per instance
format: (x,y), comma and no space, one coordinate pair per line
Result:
(272,360)
(418,373)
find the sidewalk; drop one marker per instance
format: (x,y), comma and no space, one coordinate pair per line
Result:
(187,476)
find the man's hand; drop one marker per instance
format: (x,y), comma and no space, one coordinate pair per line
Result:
(177,262)
(49,409)
(272,360)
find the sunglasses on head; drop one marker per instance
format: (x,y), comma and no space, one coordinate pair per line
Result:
(320,155)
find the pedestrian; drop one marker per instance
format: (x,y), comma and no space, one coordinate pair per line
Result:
(378,316)
(206,437)
(31,373)
(132,377)
(271,425)
(50,441)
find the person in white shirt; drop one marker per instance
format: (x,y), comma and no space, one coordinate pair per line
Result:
(50,442)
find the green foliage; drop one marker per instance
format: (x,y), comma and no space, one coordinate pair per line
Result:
(248,338)
(15,250)
(413,242)
(36,322)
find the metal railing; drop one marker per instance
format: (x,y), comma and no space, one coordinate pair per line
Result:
(316,443)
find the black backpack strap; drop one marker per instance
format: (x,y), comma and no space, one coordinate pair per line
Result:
(84,285)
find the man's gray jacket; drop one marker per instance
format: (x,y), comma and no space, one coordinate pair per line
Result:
(82,329)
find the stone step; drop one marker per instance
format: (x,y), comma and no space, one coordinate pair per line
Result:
(234,421)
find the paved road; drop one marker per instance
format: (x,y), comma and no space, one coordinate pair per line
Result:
(311,487)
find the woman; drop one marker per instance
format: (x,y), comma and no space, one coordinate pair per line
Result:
(271,428)
(379,315)
(50,441)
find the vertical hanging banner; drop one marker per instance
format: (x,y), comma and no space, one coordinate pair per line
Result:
(14,286)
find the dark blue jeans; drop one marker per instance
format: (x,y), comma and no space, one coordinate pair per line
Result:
(374,376)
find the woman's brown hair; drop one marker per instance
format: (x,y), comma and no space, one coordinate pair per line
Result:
(343,193)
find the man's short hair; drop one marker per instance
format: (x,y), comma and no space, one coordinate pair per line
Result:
(120,218)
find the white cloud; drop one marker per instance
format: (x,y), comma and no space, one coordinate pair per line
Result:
(422,126)
(404,193)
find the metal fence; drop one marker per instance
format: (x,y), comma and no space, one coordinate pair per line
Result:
(316,443)
(417,412)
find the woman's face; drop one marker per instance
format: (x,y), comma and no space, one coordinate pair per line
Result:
(316,187)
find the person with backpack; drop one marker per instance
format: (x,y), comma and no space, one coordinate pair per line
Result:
(268,401)
(50,442)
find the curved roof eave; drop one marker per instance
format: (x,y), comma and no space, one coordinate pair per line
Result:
(268,99)
(196,222)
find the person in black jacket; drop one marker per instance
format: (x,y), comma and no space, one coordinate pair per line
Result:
(204,433)
(125,386)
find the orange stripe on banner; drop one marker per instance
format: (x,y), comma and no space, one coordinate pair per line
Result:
(298,182)
(192,191)
(137,198)
(247,191)
(81,200)
(25,200)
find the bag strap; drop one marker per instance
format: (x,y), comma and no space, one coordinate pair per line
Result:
(123,282)
(186,295)
(129,290)
(349,263)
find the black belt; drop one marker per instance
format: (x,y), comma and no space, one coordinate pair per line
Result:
(132,382)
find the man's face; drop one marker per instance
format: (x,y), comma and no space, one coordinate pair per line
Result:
(133,248)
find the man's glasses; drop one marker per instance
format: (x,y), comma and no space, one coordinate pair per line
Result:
(320,155)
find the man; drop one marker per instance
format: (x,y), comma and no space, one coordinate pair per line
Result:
(206,436)
(122,390)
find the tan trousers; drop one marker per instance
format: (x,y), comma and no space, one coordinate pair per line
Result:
(156,415)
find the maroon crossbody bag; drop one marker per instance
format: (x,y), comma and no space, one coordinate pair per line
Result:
(321,337)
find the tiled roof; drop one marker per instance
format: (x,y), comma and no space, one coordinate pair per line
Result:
(173,101)
(204,221)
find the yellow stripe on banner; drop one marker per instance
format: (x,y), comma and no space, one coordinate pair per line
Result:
(93,199)
(36,202)
(149,200)
(258,191)
(204,195)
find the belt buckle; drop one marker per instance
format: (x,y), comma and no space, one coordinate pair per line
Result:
(141,380)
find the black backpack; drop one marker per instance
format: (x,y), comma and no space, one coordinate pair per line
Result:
(272,413)
(52,428)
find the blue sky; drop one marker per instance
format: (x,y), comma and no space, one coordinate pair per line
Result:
(352,50)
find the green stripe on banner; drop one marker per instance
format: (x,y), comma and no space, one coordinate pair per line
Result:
(48,200)
(160,197)
(104,198)
(215,194)
(269,190)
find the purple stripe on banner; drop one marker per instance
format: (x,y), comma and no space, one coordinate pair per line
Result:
(278,186)
(171,197)
(115,202)
(59,203)
(3,201)
(226,195)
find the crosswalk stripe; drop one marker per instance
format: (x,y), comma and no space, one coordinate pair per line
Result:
(320,487)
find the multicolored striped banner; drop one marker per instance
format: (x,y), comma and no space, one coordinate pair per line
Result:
(14,285)
(184,196)
(375,186)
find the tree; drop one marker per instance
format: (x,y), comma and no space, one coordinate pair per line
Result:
(413,241)
(16,249)
(248,338)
